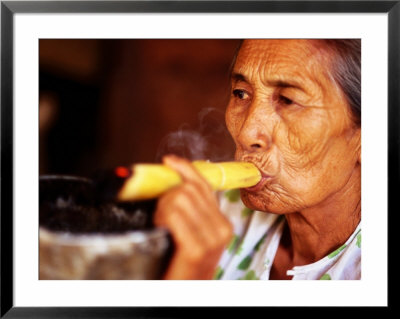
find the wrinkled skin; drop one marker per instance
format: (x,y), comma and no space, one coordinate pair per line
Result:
(302,137)
(288,117)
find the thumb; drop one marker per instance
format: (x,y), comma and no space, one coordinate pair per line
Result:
(184,167)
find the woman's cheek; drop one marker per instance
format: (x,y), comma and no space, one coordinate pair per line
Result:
(307,138)
(292,134)
(297,190)
(233,121)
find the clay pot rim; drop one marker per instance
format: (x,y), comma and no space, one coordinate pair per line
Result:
(130,237)
(66,177)
(82,239)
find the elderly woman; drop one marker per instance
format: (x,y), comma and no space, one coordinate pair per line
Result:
(295,113)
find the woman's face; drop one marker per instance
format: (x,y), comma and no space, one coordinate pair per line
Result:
(288,117)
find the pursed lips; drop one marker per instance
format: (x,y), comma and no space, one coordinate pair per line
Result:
(259,185)
(264,178)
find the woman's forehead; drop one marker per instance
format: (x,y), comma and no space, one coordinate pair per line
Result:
(293,53)
(275,60)
(270,46)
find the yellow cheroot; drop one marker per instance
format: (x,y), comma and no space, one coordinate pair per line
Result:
(151,180)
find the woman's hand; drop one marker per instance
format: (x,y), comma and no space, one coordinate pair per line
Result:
(200,232)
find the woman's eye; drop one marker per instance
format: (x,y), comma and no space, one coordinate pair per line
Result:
(284,100)
(240,94)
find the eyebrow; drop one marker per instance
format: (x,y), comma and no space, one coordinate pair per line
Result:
(238,77)
(287,84)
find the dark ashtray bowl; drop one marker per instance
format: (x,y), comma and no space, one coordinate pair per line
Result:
(81,237)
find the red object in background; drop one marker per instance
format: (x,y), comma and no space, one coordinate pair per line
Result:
(122,172)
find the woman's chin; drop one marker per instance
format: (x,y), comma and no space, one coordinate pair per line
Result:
(261,203)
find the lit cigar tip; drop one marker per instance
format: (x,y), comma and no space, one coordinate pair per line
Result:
(122,172)
(108,182)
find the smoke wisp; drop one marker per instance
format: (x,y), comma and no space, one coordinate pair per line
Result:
(210,140)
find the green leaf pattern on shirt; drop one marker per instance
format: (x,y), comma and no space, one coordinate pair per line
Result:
(232,195)
(246,212)
(325,277)
(245,263)
(337,251)
(239,250)
(358,243)
(218,273)
(260,242)
(233,243)
(250,275)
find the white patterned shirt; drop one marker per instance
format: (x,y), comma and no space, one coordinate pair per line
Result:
(251,252)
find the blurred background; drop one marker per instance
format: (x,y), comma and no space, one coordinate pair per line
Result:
(105,103)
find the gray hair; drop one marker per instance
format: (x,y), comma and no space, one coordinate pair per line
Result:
(346,71)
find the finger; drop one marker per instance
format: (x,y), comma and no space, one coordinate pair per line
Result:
(207,212)
(191,259)
(200,213)
(187,172)
(185,235)
(197,249)
(182,202)
(201,210)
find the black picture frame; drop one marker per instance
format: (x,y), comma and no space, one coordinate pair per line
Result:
(10,8)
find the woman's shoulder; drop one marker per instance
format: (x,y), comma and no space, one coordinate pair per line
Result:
(348,262)
(345,262)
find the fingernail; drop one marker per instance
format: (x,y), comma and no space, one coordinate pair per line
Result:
(169,158)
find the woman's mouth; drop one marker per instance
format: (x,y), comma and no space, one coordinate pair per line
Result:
(259,185)
(265,178)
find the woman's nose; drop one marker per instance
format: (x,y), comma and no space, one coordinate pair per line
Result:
(253,135)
